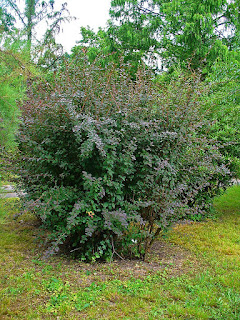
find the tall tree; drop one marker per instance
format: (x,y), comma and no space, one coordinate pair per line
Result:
(223,102)
(194,30)
(114,44)
(36,12)
(6,20)
(30,7)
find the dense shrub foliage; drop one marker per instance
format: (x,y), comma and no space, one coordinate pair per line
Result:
(108,163)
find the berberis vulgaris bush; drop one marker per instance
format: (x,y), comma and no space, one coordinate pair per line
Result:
(108,163)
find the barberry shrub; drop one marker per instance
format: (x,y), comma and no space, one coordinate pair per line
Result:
(108,163)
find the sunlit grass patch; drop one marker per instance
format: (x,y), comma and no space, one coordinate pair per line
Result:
(218,243)
(229,202)
(215,238)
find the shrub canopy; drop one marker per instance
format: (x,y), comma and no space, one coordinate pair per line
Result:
(109,163)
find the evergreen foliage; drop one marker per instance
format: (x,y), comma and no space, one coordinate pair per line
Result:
(14,69)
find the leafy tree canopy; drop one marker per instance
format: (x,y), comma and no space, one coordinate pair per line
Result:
(116,45)
(179,31)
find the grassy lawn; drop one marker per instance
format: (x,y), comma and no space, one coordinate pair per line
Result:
(192,274)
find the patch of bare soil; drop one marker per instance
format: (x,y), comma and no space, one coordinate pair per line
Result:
(164,258)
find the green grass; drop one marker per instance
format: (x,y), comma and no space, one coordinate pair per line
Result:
(193,274)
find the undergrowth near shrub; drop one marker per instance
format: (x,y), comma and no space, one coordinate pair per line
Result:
(108,163)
